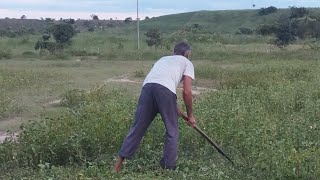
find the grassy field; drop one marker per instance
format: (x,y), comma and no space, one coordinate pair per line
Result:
(265,114)
(71,112)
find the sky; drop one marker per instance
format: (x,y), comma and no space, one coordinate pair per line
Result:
(120,9)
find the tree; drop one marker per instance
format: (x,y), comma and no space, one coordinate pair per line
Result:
(298,12)
(285,33)
(63,33)
(147,18)
(45,44)
(154,38)
(69,21)
(94,17)
(193,28)
(268,10)
(49,20)
(128,20)
(305,27)
(23,17)
(91,29)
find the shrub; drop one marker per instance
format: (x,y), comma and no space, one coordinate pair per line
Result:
(128,20)
(29,54)
(268,10)
(82,52)
(244,30)
(297,12)
(5,54)
(285,33)
(63,33)
(267,29)
(91,29)
(154,38)
(139,73)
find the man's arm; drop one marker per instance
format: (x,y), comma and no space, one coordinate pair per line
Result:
(187,98)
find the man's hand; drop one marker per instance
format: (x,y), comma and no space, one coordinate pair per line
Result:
(192,121)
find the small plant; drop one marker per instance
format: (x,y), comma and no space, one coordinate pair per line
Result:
(5,54)
(139,73)
(244,30)
(29,54)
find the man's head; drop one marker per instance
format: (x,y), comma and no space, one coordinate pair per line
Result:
(182,49)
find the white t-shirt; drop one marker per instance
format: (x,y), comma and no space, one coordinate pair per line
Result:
(169,70)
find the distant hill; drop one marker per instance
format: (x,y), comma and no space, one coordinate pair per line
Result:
(228,21)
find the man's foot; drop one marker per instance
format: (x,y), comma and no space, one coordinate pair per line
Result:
(164,166)
(118,165)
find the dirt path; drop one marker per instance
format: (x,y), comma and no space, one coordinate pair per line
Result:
(13,120)
(196,91)
(4,135)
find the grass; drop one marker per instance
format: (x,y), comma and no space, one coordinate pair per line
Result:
(228,21)
(267,106)
(264,114)
(28,85)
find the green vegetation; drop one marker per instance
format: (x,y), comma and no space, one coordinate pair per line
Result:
(268,10)
(263,108)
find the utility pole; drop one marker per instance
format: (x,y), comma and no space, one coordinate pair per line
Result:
(138,25)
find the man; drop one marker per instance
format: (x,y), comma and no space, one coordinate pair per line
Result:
(158,95)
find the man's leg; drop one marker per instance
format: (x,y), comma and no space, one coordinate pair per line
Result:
(146,112)
(167,104)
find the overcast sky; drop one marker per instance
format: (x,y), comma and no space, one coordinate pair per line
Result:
(121,9)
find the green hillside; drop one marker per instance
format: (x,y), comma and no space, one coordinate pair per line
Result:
(228,21)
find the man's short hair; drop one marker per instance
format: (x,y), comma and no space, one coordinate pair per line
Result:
(181,48)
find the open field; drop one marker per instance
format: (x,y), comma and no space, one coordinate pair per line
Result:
(265,114)
(63,115)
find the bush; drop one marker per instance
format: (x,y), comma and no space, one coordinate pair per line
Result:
(29,54)
(306,27)
(267,29)
(243,30)
(298,12)
(285,33)
(82,52)
(139,73)
(63,33)
(268,10)
(5,54)
(91,29)
(154,38)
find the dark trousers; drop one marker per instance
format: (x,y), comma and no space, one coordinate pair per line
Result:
(154,99)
